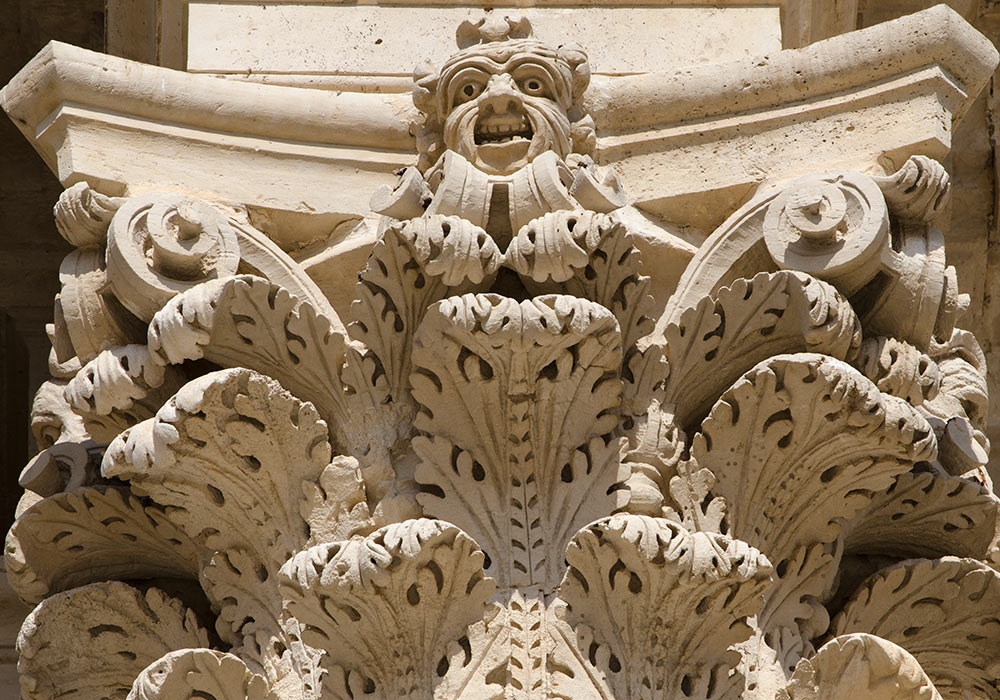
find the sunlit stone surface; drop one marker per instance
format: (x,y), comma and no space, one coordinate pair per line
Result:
(565,365)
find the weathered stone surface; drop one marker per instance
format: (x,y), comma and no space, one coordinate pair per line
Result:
(555,441)
(283,41)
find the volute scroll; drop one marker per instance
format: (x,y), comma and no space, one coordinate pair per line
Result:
(159,246)
(833,227)
(839,227)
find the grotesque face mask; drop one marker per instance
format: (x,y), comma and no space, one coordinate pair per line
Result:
(502,102)
(506,106)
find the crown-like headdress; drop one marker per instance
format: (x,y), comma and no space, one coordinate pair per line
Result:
(492,28)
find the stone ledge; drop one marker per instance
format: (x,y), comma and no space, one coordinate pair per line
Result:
(327,151)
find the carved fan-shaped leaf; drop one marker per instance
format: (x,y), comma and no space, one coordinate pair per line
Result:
(386,608)
(249,322)
(231,453)
(728,333)
(524,647)
(613,279)
(588,255)
(860,665)
(946,612)
(522,519)
(793,612)
(414,264)
(802,441)
(92,642)
(516,396)
(245,592)
(93,534)
(797,445)
(665,604)
(927,515)
(198,674)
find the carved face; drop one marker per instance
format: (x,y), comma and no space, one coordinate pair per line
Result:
(505,104)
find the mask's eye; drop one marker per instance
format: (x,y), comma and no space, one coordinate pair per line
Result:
(534,87)
(469,91)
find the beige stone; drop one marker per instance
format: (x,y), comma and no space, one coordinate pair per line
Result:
(309,41)
(303,138)
(584,426)
(160,32)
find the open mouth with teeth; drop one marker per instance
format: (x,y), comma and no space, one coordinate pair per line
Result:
(502,129)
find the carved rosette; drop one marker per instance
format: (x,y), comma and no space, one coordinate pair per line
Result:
(502,477)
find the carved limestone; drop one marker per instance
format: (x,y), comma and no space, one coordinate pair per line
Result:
(512,472)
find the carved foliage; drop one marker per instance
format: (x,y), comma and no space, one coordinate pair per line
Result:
(390,609)
(588,255)
(93,534)
(247,321)
(413,265)
(194,674)
(231,453)
(927,515)
(802,441)
(797,445)
(118,628)
(859,665)
(942,611)
(119,388)
(899,369)
(728,333)
(517,397)
(82,215)
(918,191)
(665,605)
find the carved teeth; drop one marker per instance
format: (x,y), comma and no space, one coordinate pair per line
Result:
(502,130)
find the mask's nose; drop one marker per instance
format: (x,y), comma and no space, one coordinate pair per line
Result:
(500,97)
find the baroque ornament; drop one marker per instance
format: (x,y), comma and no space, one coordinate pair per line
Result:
(509,475)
